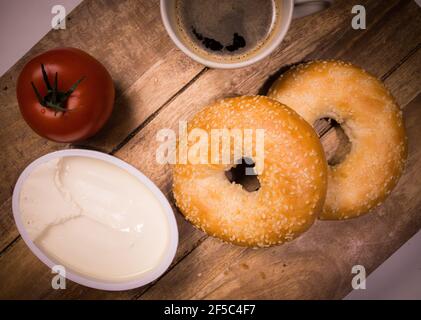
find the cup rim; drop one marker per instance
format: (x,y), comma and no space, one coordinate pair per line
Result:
(76,277)
(220,65)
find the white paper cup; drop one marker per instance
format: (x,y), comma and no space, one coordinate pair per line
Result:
(86,281)
(289,9)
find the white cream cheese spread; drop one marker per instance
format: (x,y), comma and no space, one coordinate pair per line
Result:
(94,218)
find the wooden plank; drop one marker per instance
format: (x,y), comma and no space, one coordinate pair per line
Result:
(315,266)
(406,90)
(328,22)
(385,41)
(150,69)
(34,280)
(370,60)
(132,108)
(9,233)
(392,28)
(133,66)
(211,84)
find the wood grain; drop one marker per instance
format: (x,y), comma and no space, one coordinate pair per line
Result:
(147,138)
(318,264)
(136,101)
(159,86)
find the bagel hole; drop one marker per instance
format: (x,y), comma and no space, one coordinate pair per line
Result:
(237,174)
(335,141)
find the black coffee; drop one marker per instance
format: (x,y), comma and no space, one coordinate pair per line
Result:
(228,29)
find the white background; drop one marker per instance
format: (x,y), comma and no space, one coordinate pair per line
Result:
(22,24)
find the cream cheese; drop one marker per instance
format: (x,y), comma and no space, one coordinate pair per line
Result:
(94,218)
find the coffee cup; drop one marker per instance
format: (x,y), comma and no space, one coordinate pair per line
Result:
(232,34)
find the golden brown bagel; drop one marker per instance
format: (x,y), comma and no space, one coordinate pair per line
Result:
(369,116)
(292,184)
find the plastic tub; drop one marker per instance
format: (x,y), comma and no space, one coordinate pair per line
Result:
(86,281)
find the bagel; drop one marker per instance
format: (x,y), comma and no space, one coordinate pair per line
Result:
(293,181)
(369,116)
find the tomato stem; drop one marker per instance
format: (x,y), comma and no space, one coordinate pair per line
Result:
(54,99)
(45,76)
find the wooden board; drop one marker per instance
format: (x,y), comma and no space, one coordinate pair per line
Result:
(157,86)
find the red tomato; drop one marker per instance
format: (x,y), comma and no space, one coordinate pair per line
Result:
(71,108)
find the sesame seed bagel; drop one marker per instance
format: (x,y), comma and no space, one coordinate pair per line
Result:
(370,118)
(293,178)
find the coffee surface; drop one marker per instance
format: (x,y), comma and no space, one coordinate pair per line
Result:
(229,29)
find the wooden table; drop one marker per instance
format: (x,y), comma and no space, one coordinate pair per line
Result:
(157,86)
